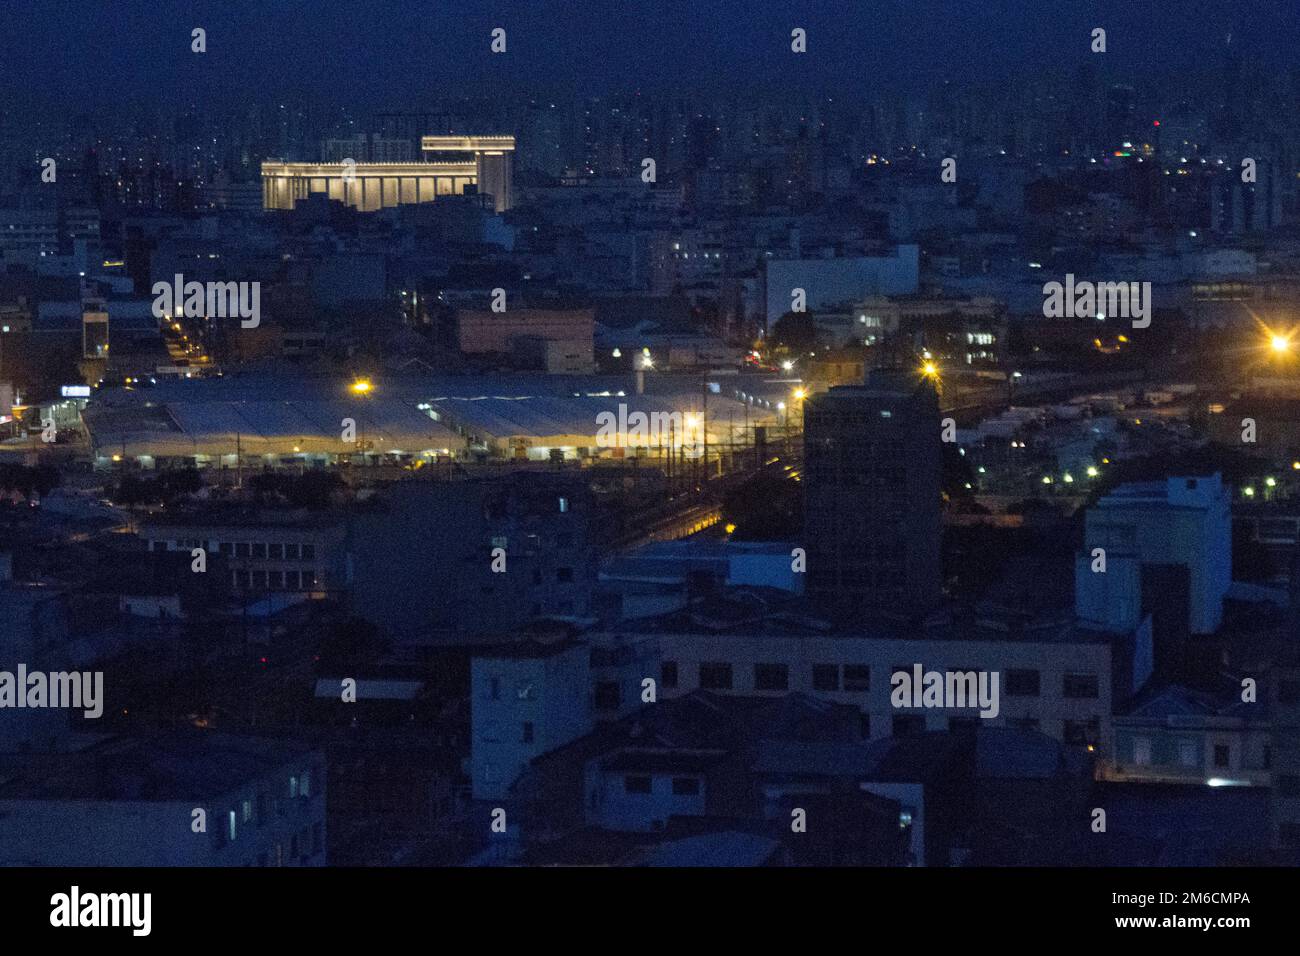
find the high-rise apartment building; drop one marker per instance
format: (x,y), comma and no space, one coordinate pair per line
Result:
(872,496)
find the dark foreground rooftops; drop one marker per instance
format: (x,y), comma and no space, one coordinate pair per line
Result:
(187,764)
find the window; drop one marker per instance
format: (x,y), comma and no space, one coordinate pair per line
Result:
(857,677)
(275,552)
(316,841)
(668,673)
(1188,753)
(638,784)
(826,677)
(1221,754)
(259,549)
(771,677)
(309,552)
(1080,685)
(528,732)
(292,552)
(241,549)
(1142,751)
(1288,785)
(261,809)
(1022,683)
(232,826)
(304,788)
(686,786)
(494,688)
(293,787)
(564,505)
(247,809)
(715,676)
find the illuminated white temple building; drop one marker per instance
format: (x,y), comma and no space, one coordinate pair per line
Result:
(451,164)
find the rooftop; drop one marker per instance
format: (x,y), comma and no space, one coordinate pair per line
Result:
(177,765)
(749,611)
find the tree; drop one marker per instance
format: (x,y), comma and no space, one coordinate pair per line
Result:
(796,331)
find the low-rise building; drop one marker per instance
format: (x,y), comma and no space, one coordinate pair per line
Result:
(189,798)
(263,550)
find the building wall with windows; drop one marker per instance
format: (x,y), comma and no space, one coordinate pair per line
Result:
(1061,688)
(526,700)
(263,806)
(1283,689)
(1214,751)
(262,558)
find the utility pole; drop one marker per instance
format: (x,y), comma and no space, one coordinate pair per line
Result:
(704,424)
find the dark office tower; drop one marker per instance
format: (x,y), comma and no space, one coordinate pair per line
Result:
(872,497)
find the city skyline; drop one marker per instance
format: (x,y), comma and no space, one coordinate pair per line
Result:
(566,435)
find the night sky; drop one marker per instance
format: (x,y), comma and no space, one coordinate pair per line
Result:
(383,52)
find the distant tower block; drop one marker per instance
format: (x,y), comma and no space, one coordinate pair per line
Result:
(493,161)
(452,164)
